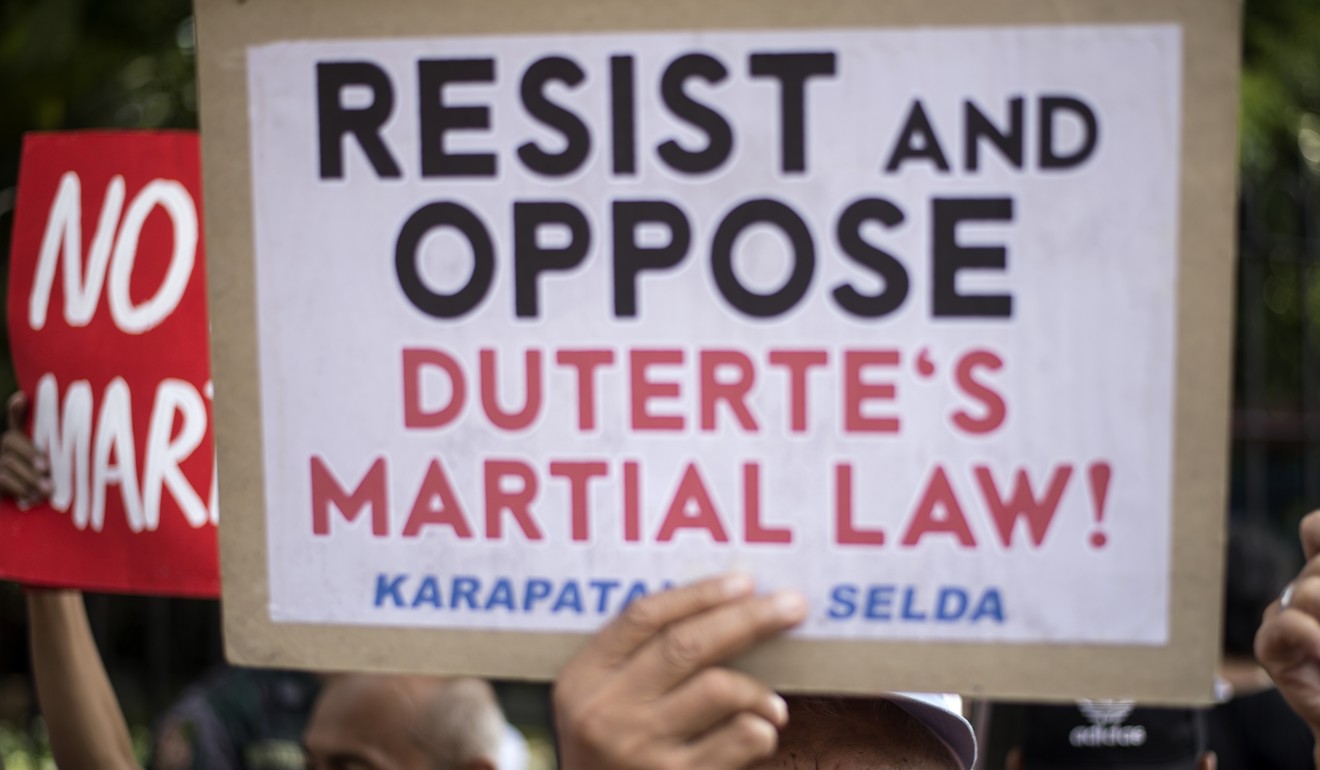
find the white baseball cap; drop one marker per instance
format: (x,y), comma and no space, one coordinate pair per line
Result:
(941,713)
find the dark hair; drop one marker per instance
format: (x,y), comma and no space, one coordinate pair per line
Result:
(921,740)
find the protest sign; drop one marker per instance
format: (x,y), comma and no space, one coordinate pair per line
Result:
(108,330)
(920,309)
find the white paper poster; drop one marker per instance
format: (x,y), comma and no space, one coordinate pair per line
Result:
(549,322)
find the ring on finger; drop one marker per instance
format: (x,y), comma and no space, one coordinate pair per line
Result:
(1285,598)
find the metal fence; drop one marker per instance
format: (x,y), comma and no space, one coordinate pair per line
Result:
(1275,472)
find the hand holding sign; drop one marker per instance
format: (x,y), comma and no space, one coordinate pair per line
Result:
(24,470)
(646,692)
(1288,643)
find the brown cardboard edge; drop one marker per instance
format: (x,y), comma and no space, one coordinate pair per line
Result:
(1180,671)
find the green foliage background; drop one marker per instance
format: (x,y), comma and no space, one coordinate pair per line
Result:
(70,64)
(1280,84)
(1280,159)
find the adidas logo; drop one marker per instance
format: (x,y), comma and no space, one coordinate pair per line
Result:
(1107,728)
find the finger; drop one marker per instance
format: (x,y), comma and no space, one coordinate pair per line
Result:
(714,696)
(1305,596)
(735,744)
(1289,638)
(21,469)
(649,615)
(712,637)
(1288,646)
(16,442)
(1310,569)
(16,410)
(10,486)
(1310,532)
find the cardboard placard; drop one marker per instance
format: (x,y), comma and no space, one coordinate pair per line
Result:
(108,330)
(921,309)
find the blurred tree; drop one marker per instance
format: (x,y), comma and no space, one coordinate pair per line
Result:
(1280,83)
(1277,365)
(69,64)
(1280,160)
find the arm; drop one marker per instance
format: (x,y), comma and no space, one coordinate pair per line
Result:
(1288,642)
(87,729)
(647,692)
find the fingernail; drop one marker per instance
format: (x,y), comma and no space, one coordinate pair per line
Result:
(41,464)
(779,708)
(790,605)
(737,584)
(45,486)
(769,732)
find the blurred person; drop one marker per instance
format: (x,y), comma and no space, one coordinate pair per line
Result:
(366,721)
(236,719)
(1253,728)
(244,718)
(379,722)
(647,693)
(1111,735)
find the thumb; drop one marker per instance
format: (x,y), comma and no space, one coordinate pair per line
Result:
(16,410)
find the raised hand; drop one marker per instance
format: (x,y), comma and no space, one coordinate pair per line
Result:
(1288,642)
(24,470)
(647,692)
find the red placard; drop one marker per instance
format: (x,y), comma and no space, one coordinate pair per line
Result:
(108,327)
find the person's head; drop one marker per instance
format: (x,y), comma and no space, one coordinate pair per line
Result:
(384,722)
(863,734)
(1109,735)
